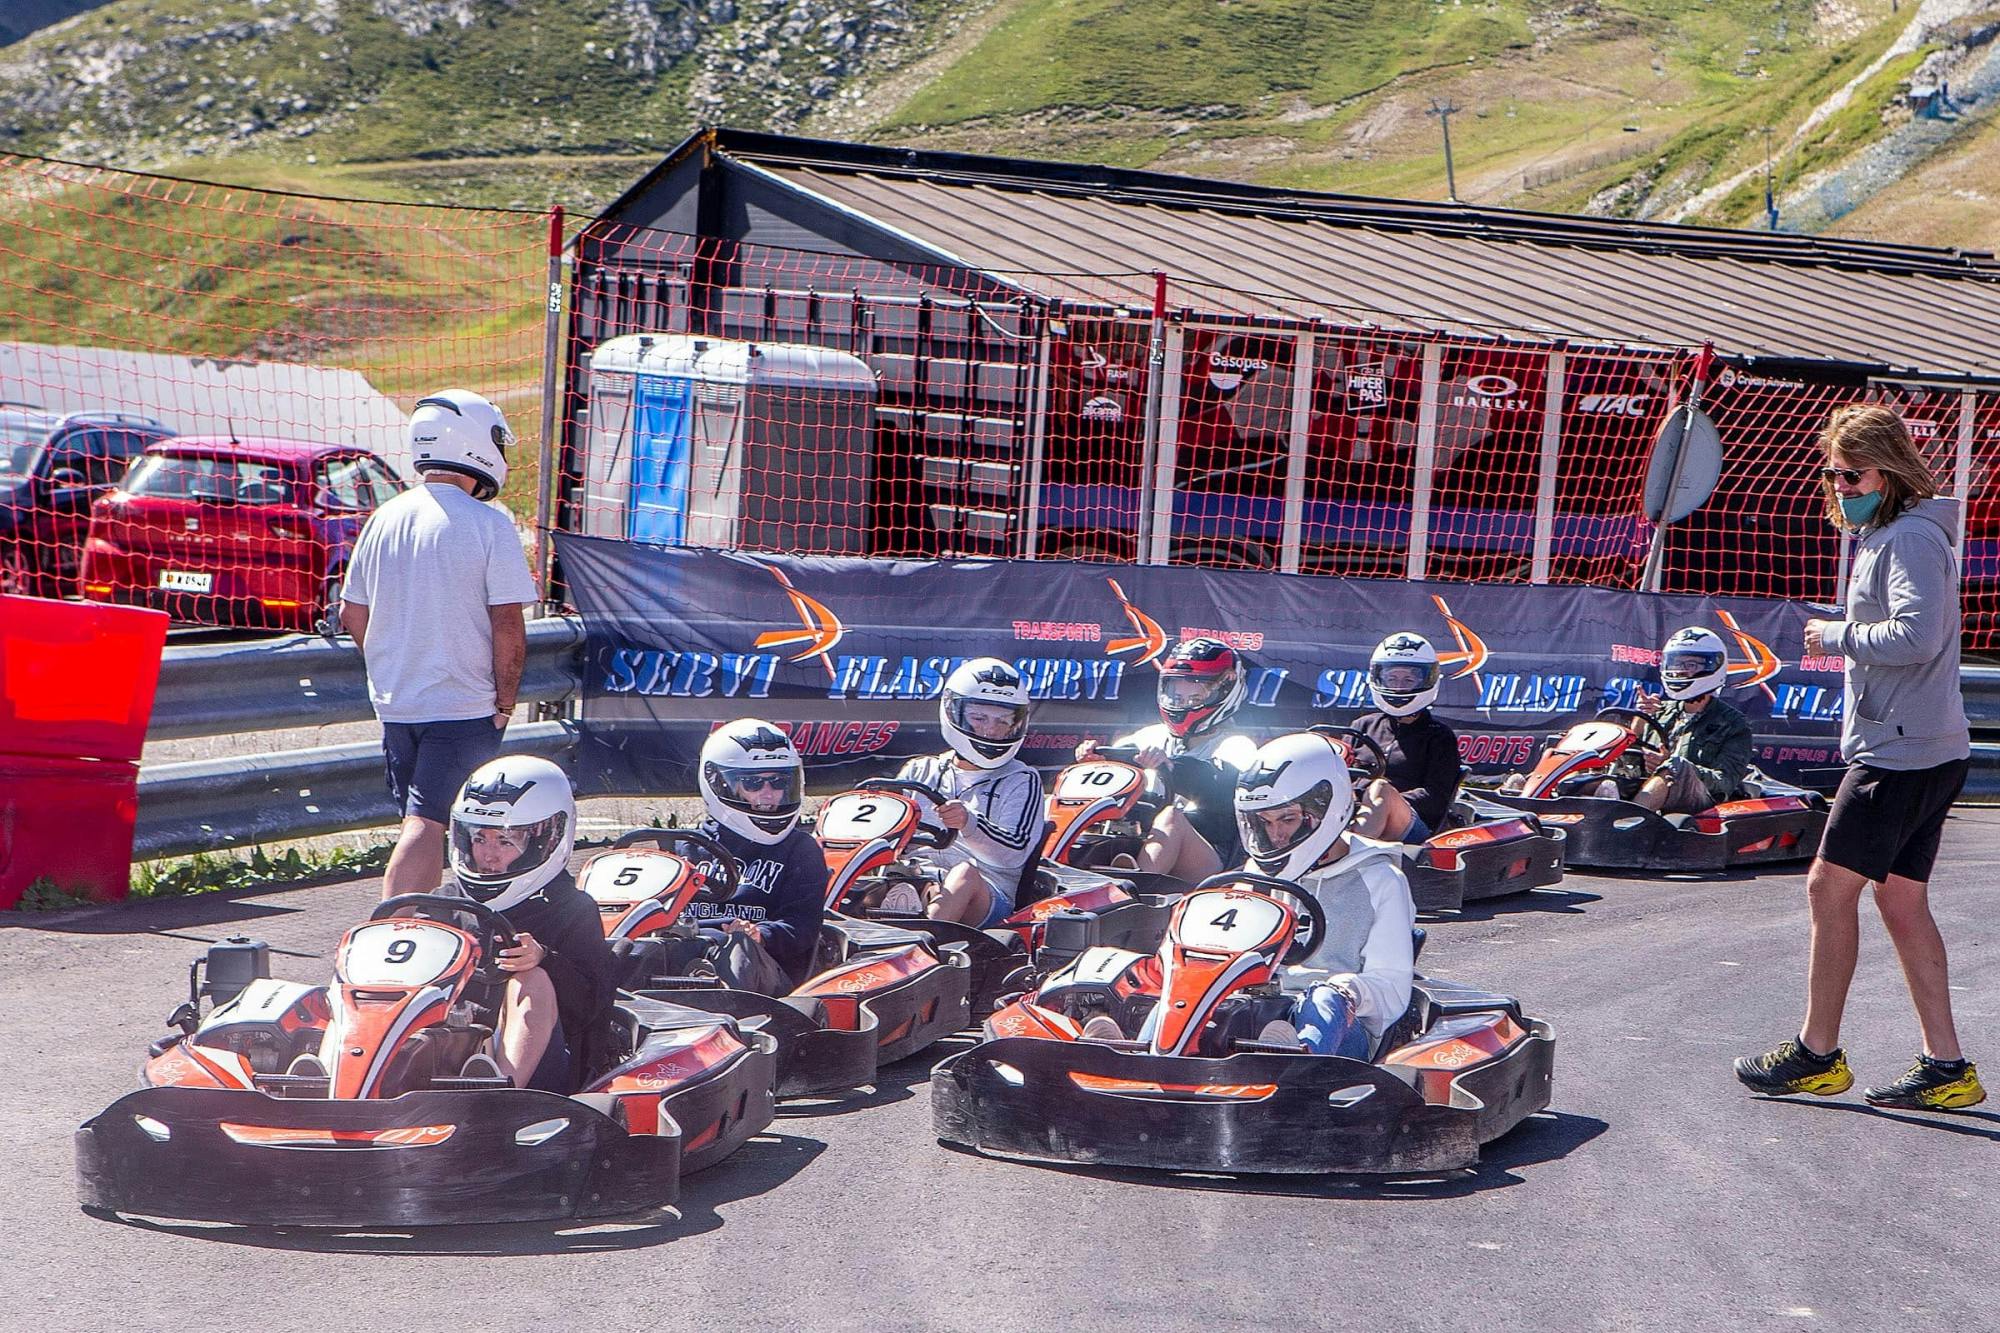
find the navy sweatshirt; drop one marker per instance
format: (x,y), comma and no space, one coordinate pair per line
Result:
(783,891)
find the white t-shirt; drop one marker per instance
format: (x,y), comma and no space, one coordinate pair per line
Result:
(427,566)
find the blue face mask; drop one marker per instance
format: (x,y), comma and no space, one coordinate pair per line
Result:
(1858,509)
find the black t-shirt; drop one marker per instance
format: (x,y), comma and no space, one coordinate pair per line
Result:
(783,891)
(1423,760)
(565,921)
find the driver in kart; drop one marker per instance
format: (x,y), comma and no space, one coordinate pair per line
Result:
(1708,738)
(753,786)
(1201,687)
(1408,803)
(1293,807)
(992,800)
(512,829)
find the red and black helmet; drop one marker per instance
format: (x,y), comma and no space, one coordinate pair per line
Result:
(1201,686)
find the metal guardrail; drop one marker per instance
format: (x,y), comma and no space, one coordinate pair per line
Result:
(306,681)
(207,805)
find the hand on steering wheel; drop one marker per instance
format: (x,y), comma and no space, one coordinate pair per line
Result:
(492,930)
(1365,759)
(934,836)
(1311,928)
(1646,727)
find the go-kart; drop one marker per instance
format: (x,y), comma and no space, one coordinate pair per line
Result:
(867,834)
(1773,822)
(408,1121)
(1484,850)
(877,995)
(1202,1092)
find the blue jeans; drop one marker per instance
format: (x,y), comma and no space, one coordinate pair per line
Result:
(1327,1024)
(1418,832)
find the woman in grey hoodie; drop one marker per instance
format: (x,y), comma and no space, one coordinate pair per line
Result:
(1907,747)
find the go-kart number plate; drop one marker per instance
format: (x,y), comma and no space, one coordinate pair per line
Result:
(1593,735)
(860,816)
(625,877)
(1090,782)
(1227,921)
(181,580)
(399,953)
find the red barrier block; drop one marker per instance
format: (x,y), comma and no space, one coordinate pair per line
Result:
(76,694)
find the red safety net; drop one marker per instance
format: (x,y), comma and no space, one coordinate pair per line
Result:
(1010,417)
(205,386)
(754,397)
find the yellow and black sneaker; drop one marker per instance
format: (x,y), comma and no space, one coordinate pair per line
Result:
(1932,1085)
(1792,1068)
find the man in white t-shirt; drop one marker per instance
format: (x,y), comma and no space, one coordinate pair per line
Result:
(434,598)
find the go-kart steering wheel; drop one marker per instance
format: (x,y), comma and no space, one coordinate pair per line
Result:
(935,836)
(494,932)
(667,838)
(1312,917)
(1618,713)
(1365,768)
(1129,754)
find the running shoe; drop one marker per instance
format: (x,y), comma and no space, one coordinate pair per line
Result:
(1931,1085)
(1792,1068)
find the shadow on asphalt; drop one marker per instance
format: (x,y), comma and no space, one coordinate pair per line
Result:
(1976,1124)
(759,1166)
(1566,902)
(1541,1138)
(165,915)
(896,1083)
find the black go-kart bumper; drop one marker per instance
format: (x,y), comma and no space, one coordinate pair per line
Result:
(1083,1102)
(422,1159)
(1608,834)
(1479,871)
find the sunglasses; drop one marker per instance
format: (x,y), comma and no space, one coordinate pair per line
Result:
(1851,475)
(763,782)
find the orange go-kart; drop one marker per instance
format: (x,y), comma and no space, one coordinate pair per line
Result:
(1483,851)
(878,994)
(1773,822)
(1201,1092)
(400,1117)
(1060,909)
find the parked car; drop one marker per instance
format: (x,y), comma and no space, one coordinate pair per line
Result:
(241,532)
(52,465)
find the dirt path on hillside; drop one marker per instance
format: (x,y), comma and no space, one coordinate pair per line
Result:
(842,119)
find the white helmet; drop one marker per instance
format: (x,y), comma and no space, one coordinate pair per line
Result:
(455,430)
(752,780)
(1693,663)
(1403,675)
(1305,774)
(984,711)
(512,828)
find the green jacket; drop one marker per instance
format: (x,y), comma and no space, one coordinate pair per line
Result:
(1716,741)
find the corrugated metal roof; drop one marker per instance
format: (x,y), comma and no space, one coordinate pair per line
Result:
(1241,250)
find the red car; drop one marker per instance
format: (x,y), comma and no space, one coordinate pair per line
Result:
(242,532)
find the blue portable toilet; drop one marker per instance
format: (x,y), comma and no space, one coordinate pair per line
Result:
(724,443)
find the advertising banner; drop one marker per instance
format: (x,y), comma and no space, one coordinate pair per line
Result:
(848,655)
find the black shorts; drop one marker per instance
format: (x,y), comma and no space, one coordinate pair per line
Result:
(427,762)
(1887,821)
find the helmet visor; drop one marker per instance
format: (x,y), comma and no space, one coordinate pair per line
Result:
(987,722)
(1685,664)
(1187,694)
(1404,680)
(1272,831)
(761,793)
(489,857)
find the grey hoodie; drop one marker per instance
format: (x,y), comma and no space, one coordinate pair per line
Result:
(1904,709)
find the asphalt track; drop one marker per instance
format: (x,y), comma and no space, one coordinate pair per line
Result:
(1655,1195)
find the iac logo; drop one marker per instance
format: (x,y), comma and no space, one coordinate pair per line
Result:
(1614,404)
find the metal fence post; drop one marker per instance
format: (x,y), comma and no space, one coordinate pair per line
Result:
(1961,471)
(551,357)
(1545,485)
(1303,363)
(1038,443)
(1426,461)
(1156,382)
(1166,462)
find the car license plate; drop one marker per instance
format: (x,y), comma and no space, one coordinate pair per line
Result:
(178,580)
